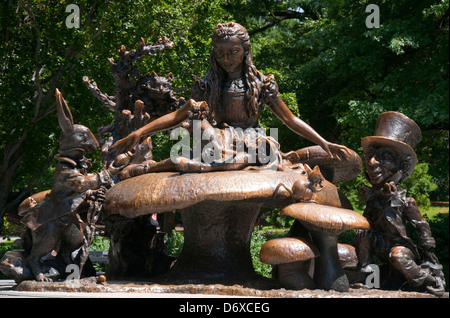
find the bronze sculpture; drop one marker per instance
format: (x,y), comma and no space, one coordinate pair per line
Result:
(218,208)
(228,99)
(390,159)
(321,224)
(55,231)
(292,257)
(138,99)
(235,92)
(54,223)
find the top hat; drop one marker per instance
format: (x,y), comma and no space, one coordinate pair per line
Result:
(400,134)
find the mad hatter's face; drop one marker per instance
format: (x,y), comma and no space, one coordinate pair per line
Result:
(381,164)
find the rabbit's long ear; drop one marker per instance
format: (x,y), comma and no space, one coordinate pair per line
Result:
(64,115)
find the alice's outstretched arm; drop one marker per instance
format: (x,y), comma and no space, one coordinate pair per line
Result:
(165,122)
(297,125)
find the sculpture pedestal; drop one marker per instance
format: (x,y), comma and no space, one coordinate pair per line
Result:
(216,243)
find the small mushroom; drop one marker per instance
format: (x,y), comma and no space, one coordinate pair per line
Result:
(325,223)
(101,279)
(349,262)
(347,256)
(31,201)
(290,255)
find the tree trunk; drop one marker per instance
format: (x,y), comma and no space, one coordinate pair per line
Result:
(13,156)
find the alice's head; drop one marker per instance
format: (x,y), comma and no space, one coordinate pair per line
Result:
(232,58)
(231,49)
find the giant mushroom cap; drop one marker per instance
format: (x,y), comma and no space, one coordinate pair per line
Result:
(326,219)
(169,191)
(286,250)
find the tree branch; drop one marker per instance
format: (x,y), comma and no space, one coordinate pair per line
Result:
(107,101)
(39,91)
(280,16)
(267,26)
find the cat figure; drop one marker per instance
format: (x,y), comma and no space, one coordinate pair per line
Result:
(156,92)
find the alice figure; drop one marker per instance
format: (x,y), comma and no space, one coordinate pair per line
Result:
(234,92)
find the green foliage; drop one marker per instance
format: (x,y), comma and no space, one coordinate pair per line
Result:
(433,149)
(257,241)
(175,243)
(352,190)
(440,230)
(275,220)
(100,243)
(5,247)
(347,237)
(161,146)
(419,185)
(10,229)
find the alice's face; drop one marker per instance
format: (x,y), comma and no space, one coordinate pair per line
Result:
(381,164)
(229,54)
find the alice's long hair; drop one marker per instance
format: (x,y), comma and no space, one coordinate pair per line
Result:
(215,75)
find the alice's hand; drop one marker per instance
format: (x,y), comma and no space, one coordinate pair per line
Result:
(336,151)
(127,143)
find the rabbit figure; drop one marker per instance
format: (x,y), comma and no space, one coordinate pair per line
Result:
(54,223)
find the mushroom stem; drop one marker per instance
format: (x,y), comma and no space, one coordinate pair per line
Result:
(294,276)
(216,243)
(328,272)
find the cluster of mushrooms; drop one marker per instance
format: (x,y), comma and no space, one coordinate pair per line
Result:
(315,260)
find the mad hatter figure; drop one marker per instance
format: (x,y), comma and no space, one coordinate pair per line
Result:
(390,159)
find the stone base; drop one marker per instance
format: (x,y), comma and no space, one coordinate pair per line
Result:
(89,285)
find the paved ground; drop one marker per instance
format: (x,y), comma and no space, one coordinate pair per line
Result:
(7,291)
(120,290)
